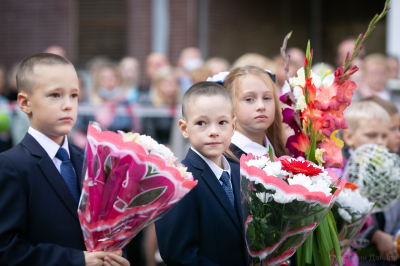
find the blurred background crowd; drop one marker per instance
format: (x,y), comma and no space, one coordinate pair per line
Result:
(136,58)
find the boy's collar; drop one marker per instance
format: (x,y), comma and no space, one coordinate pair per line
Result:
(215,168)
(47,144)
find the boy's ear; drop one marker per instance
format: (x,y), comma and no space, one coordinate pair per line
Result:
(348,138)
(183,128)
(23,102)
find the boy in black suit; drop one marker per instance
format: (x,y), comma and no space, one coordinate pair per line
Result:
(206,227)
(40,178)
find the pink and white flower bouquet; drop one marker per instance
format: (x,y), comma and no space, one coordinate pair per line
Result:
(130,181)
(284,200)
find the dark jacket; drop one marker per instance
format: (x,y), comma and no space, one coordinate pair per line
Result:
(39,223)
(203,228)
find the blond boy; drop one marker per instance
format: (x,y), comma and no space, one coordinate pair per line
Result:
(369,123)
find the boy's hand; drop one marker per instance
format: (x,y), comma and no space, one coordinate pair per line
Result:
(95,258)
(384,244)
(116,259)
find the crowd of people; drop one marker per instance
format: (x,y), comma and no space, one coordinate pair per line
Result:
(107,87)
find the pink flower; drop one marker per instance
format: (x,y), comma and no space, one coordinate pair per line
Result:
(345,91)
(333,154)
(326,98)
(334,120)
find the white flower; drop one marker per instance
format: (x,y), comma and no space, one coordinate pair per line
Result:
(301,100)
(320,186)
(300,80)
(354,201)
(263,196)
(273,168)
(300,179)
(281,197)
(345,215)
(284,175)
(260,162)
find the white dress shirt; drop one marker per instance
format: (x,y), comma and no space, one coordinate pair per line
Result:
(215,168)
(249,146)
(49,146)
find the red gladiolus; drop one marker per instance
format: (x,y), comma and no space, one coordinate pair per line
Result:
(302,145)
(326,98)
(316,116)
(345,91)
(352,70)
(339,74)
(333,154)
(311,89)
(334,120)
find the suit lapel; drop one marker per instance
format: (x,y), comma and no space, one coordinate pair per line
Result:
(236,191)
(77,162)
(51,174)
(214,185)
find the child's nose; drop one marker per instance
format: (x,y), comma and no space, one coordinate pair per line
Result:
(213,131)
(260,105)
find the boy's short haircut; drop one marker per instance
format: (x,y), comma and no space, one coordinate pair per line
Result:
(364,110)
(203,88)
(25,75)
(390,107)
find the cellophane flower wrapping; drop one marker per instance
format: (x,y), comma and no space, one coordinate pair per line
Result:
(282,203)
(376,172)
(130,181)
(350,211)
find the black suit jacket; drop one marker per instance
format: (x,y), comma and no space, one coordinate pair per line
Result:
(39,223)
(203,228)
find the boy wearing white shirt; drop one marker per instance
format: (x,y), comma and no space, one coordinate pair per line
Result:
(40,178)
(206,226)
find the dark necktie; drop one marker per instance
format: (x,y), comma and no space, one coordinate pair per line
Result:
(68,173)
(226,185)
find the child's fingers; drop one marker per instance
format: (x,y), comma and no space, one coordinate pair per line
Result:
(117,252)
(115,260)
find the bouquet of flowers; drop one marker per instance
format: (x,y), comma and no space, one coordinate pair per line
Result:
(284,200)
(350,211)
(376,172)
(130,181)
(317,110)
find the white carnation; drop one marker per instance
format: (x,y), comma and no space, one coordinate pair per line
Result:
(273,168)
(300,179)
(345,215)
(354,201)
(261,162)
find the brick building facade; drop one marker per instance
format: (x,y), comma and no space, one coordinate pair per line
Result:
(115,28)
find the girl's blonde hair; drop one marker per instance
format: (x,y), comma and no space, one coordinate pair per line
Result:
(95,98)
(157,98)
(232,84)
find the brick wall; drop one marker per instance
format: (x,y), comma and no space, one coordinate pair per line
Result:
(139,32)
(28,27)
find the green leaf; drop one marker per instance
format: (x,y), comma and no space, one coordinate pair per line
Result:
(300,261)
(146,197)
(308,251)
(323,231)
(316,255)
(335,240)
(271,153)
(308,50)
(107,172)
(325,256)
